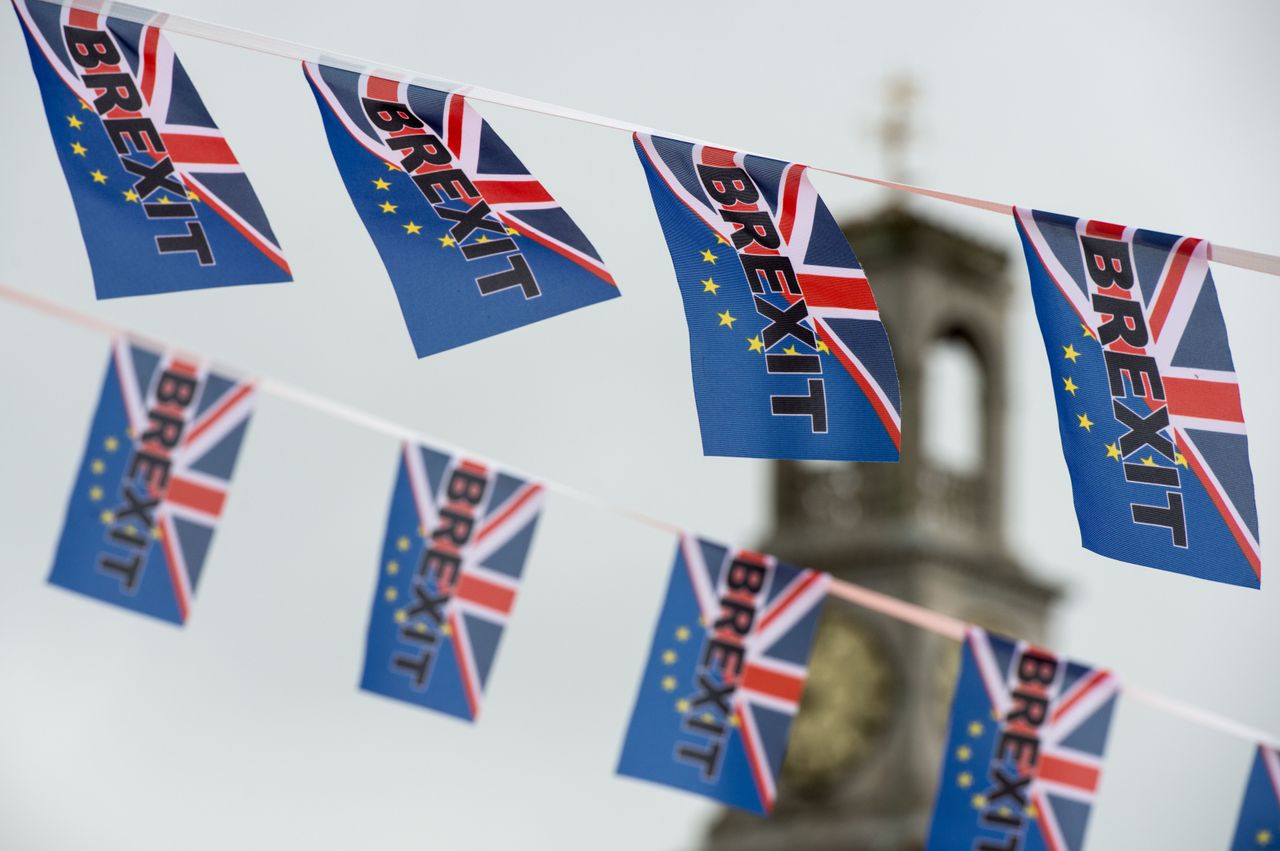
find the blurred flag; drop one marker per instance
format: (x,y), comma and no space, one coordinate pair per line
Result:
(458,534)
(153,481)
(1024,749)
(1258,827)
(1148,400)
(789,357)
(725,675)
(473,243)
(163,203)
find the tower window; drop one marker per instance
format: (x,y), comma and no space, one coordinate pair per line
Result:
(953,402)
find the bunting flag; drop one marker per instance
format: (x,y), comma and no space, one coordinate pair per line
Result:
(473,243)
(153,481)
(458,534)
(163,203)
(725,674)
(1148,402)
(1258,827)
(790,359)
(1024,748)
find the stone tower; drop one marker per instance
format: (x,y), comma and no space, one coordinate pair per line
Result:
(866,746)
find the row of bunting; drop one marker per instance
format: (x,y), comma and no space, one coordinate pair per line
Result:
(728,662)
(789,355)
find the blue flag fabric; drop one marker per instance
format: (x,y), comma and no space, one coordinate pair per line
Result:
(473,243)
(458,534)
(789,357)
(725,674)
(1258,827)
(1024,751)
(153,481)
(163,203)
(1148,401)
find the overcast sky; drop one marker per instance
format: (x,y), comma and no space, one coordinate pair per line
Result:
(245,729)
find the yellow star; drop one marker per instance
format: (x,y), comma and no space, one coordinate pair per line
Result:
(1087,332)
(1032,811)
(721,240)
(1149,461)
(164,199)
(727,319)
(975,728)
(1070,353)
(756,344)
(709,286)
(75,122)
(446,241)
(1069,385)
(98,177)
(95,493)
(682,633)
(393,567)
(682,705)
(445,629)
(157,533)
(191,196)
(790,350)
(1113,451)
(964,780)
(1180,460)
(392,167)
(668,683)
(707,717)
(402,544)
(421,628)
(131,196)
(978,801)
(963,753)
(84,105)
(734,721)
(97,466)
(512,232)
(381,184)
(822,348)
(111,444)
(107,517)
(1263,837)
(401,616)
(708,257)
(1085,422)
(669,657)
(482,238)
(78,149)
(387,207)
(412,228)
(391,594)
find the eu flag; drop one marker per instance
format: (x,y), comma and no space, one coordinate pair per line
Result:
(1258,827)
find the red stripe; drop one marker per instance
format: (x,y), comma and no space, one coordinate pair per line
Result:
(864,382)
(273,254)
(498,192)
(831,291)
(782,686)
(512,507)
(456,109)
(758,768)
(1210,400)
(212,417)
(1169,291)
(1250,554)
(1057,770)
(719,157)
(193,150)
(1092,680)
(1106,230)
(585,262)
(194,495)
(82,18)
(150,42)
(790,192)
(482,592)
(380,88)
(781,606)
(464,673)
(175,576)
(1047,825)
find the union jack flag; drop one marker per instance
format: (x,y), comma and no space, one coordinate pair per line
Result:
(789,357)
(153,481)
(164,205)
(725,675)
(1258,827)
(1137,346)
(447,267)
(458,534)
(1025,748)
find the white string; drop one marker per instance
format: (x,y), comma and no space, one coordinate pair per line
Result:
(893,607)
(1243,258)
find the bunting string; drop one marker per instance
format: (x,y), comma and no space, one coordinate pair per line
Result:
(1242,258)
(892,607)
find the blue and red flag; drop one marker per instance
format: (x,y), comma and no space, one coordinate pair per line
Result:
(1024,749)
(153,481)
(163,203)
(1258,827)
(458,534)
(725,674)
(1148,401)
(473,243)
(789,357)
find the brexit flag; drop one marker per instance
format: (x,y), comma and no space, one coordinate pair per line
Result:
(458,533)
(473,243)
(163,203)
(153,481)
(1148,402)
(1024,749)
(1258,827)
(725,674)
(790,359)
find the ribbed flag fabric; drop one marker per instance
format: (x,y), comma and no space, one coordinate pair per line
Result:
(1258,826)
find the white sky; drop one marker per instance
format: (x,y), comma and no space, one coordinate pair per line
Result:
(246,728)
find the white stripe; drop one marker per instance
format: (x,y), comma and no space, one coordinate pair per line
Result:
(888,405)
(696,567)
(423,498)
(1193,280)
(757,643)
